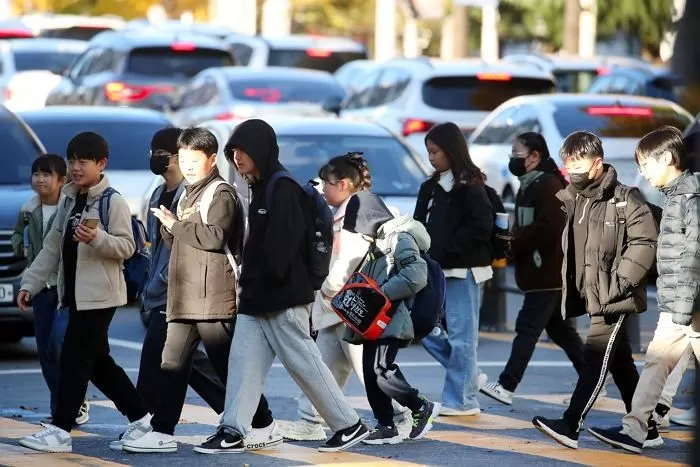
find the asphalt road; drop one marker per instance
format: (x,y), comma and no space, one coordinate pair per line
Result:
(500,435)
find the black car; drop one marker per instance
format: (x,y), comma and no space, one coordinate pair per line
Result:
(19,149)
(137,68)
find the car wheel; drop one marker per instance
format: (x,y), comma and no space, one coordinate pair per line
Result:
(508,196)
(145,317)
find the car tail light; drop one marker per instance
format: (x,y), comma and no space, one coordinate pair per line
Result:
(493,76)
(318,53)
(225,116)
(603,70)
(182,47)
(620,111)
(117,91)
(265,94)
(18,33)
(7,93)
(415,125)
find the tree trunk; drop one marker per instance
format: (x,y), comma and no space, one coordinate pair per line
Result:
(572,10)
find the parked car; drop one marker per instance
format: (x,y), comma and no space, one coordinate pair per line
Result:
(20,147)
(640,81)
(619,121)
(31,69)
(128,133)
(350,74)
(179,27)
(308,143)
(410,96)
(298,51)
(137,68)
(239,92)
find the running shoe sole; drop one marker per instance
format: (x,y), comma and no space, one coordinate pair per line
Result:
(126,448)
(563,440)
(345,446)
(394,440)
(494,395)
(614,443)
(45,448)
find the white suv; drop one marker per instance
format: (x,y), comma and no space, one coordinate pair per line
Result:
(409,96)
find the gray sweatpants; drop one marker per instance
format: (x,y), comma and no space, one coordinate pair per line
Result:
(285,334)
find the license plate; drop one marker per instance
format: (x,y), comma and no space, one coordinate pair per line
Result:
(6,294)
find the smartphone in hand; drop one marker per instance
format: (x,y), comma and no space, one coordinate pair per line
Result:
(90,223)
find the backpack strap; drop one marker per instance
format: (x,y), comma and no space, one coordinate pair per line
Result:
(204,205)
(103,206)
(271,185)
(620,201)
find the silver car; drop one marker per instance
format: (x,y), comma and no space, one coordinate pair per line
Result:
(226,93)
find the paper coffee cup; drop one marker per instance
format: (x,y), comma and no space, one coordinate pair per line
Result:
(502,220)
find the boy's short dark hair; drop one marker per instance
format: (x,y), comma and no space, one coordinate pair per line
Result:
(198,139)
(581,145)
(166,139)
(50,164)
(656,143)
(87,145)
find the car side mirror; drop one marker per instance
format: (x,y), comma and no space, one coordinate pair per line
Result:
(333,105)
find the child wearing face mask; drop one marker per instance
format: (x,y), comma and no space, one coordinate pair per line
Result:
(342,177)
(609,245)
(537,256)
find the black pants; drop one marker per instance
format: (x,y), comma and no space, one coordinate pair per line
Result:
(607,349)
(203,378)
(85,357)
(540,311)
(384,381)
(180,344)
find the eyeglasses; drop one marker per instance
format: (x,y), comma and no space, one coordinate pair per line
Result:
(513,155)
(326,182)
(160,153)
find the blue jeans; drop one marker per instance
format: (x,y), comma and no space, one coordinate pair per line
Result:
(45,305)
(58,334)
(456,348)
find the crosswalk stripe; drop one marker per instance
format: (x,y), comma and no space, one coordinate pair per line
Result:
(18,456)
(546,449)
(11,428)
(605,404)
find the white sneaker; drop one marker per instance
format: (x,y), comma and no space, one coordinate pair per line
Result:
(84,413)
(481,380)
(133,432)
(687,418)
(263,438)
(663,424)
(151,442)
(304,430)
(51,439)
(448,412)
(496,391)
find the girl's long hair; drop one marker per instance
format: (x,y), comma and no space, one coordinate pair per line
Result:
(449,138)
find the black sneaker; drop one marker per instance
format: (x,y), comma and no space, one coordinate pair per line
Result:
(346,438)
(423,419)
(221,443)
(617,438)
(653,440)
(558,430)
(383,435)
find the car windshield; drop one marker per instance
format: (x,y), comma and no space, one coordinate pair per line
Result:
(315,59)
(176,61)
(285,90)
(615,120)
(128,140)
(395,172)
(483,94)
(52,60)
(574,80)
(19,150)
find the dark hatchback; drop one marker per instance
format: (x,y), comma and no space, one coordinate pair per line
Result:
(19,149)
(137,68)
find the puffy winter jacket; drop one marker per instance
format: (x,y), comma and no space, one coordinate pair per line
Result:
(678,254)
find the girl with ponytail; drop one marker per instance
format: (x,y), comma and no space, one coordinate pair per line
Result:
(342,177)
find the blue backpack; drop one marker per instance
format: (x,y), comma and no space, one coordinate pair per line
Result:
(319,231)
(136,267)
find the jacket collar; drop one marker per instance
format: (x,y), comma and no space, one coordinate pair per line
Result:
(195,188)
(685,183)
(71,189)
(340,210)
(606,189)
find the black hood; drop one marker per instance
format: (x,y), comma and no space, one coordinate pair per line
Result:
(258,139)
(365,213)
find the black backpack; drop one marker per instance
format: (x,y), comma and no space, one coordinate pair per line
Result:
(319,222)
(498,245)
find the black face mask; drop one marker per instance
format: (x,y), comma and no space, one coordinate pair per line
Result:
(159,164)
(580,181)
(517,166)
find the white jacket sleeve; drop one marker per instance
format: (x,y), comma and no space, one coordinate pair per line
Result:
(352,248)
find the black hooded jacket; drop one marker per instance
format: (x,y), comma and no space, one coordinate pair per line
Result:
(274,275)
